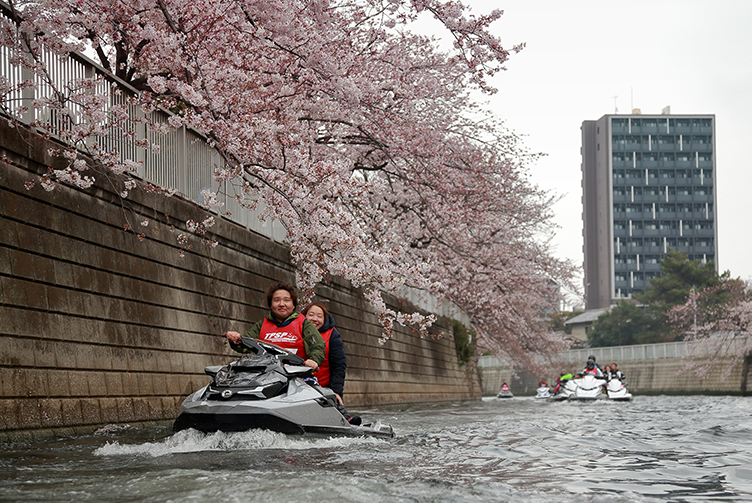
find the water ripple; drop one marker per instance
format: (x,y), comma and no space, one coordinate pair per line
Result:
(654,449)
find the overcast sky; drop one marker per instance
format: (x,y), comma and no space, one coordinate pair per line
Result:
(692,55)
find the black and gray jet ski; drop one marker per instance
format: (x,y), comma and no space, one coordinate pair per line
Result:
(266,389)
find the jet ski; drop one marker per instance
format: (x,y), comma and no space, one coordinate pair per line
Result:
(504,392)
(543,392)
(587,387)
(267,389)
(617,390)
(566,389)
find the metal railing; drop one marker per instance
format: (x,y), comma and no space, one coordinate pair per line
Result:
(183,161)
(683,349)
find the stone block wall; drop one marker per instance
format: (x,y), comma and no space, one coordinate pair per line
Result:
(100,326)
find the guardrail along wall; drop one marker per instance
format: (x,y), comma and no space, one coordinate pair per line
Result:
(99,327)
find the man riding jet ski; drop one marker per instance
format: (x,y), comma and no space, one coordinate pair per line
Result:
(616,387)
(266,388)
(504,392)
(543,390)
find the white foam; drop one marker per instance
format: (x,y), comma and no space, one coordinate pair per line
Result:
(195,441)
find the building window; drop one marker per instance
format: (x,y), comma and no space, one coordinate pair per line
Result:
(666,139)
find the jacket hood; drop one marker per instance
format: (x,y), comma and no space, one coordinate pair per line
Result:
(329,323)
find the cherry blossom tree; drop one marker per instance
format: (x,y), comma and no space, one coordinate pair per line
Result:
(718,321)
(358,135)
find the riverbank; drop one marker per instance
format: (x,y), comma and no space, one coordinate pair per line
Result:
(650,369)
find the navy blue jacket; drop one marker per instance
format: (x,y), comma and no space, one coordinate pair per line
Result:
(337,361)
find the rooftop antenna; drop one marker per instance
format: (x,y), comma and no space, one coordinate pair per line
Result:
(616,109)
(631,98)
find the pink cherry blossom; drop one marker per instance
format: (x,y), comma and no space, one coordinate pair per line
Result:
(359,136)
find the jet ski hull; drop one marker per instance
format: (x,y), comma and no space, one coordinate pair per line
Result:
(543,392)
(617,391)
(588,387)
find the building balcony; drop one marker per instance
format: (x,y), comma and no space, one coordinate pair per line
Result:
(700,147)
(625,267)
(631,180)
(665,147)
(642,198)
(684,182)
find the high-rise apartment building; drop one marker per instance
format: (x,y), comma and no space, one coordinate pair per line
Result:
(648,185)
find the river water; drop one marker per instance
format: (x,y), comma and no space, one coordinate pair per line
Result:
(691,448)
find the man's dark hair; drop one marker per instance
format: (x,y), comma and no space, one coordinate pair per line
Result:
(281,286)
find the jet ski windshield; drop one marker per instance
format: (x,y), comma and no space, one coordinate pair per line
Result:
(252,362)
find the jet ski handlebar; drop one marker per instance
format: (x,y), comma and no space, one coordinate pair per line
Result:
(263,347)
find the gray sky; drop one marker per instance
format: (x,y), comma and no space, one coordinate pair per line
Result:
(692,55)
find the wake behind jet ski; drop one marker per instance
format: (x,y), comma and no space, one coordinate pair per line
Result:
(266,389)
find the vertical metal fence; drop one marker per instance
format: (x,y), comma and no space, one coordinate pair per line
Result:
(184,161)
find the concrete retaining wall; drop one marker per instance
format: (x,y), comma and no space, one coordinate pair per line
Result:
(97,326)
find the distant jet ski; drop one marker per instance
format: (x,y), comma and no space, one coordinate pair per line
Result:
(616,390)
(504,392)
(587,387)
(567,387)
(543,392)
(266,389)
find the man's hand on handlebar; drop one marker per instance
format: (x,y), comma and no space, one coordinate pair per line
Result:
(312,364)
(233,337)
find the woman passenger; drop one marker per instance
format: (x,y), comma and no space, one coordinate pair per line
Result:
(331,373)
